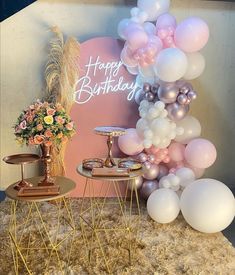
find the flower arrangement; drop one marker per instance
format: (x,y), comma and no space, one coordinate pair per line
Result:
(44,123)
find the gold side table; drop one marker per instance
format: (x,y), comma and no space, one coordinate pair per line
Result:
(92,221)
(32,241)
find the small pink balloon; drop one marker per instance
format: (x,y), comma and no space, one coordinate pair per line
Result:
(156,41)
(151,158)
(200,153)
(176,151)
(130,143)
(166,159)
(162,33)
(165,20)
(127,59)
(147,165)
(142,157)
(191,35)
(137,39)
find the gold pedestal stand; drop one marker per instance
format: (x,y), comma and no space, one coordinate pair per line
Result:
(21,159)
(110,132)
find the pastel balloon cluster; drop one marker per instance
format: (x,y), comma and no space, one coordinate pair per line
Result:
(182,177)
(176,95)
(154,127)
(161,48)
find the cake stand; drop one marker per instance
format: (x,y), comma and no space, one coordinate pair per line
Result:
(110,132)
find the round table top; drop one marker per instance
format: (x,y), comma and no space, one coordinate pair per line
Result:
(21,158)
(87,173)
(66,186)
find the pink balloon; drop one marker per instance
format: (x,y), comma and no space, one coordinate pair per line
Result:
(156,41)
(165,20)
(127,59)
(200,153)
(130,143)
(191,35)
(176,151)
(137,39)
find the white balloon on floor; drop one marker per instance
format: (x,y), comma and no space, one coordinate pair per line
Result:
(163,205)
(208,205)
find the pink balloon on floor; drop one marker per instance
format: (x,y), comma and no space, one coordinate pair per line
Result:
(176,151)
(200,153)
(191,35)
(130,143)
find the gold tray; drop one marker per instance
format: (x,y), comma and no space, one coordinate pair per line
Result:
(21,158)
(39,191)
(129,163)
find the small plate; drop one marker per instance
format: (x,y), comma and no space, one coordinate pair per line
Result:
(89,164)
(129,163)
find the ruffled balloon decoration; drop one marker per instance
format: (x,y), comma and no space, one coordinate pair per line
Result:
(154,127)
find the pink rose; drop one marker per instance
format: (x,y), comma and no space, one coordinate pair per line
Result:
(60,120)
(17,130)
(50,112)
(38,139)
(48,133)
(39,127)
(23,125)
(69,126)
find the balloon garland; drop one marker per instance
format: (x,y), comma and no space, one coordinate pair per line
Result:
(164,55)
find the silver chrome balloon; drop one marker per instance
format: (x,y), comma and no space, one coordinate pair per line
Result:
(182,99)
(147,188)
(168,93)
(177,111)
(135,183)
(152,172)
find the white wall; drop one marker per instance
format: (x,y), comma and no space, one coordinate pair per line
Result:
(24,47)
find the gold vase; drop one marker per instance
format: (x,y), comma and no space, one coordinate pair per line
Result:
(46,158)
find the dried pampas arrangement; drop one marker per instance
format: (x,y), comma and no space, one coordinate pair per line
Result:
(61,74)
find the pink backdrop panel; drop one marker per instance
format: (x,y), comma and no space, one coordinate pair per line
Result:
(104,97)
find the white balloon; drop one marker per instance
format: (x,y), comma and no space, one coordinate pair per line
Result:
(186,176)
(192,129)
(122,26)
(153,8)
(171,64)
(134,11)
(147,72)
(141,126)
(196,65)
(163,205)
(135,183)
(133,70)
(160,126)
(208,205)
(140,80)
(139,96)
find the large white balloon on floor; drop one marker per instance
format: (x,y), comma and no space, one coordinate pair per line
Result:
(208,205)
(163,205)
